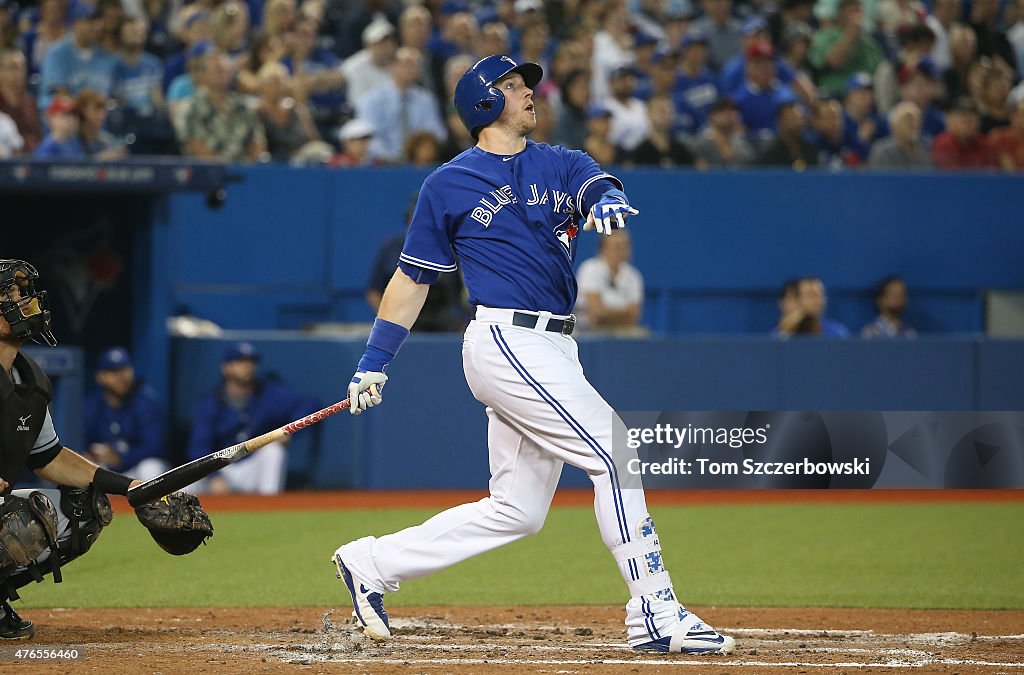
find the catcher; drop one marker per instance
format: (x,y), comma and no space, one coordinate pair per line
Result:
(42,530)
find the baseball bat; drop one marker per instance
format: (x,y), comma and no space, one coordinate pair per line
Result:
(189,473)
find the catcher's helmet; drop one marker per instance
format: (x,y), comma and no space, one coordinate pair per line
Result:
(477,101)
(25,311)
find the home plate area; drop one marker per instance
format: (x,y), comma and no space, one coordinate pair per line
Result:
(553,641)
(549,639)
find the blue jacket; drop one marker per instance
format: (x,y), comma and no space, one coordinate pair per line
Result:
(135,430)
(51,148)
(757,107)
(65,67)
(216,424)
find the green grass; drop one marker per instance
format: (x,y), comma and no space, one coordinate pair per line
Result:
(904,556)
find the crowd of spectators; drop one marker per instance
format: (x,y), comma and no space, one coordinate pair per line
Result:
(886,84)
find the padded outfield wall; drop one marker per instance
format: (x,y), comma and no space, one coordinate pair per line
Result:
(431,433)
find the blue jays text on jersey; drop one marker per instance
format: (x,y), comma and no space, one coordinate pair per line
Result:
(510,222)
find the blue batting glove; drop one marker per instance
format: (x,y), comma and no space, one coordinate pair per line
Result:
(609,213)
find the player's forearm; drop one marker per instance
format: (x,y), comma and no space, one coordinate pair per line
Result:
(403,300)
(69,468)
(627,316)
(790,322)
(840,52)
(804,88)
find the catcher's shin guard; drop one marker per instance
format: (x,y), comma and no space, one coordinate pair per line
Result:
(88,512)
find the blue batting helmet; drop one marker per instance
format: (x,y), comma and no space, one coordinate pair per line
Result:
(477,101)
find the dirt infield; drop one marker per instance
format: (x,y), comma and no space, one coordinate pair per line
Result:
(518,640)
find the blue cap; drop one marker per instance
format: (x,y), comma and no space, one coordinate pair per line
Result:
(453,7)
(196,16)
(694,36)
(661,54)
(83,11)
(594,110)
(487,15)
(114,358)
(754,24)
(858,81)
(643,39)
(928,66)
(242,351)
(199,50)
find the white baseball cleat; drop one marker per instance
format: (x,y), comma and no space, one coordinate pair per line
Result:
(368,605)
(689,636)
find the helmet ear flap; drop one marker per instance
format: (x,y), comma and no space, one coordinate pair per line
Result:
(493,102)
(489,108)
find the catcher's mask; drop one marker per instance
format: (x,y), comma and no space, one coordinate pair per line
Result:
(23,307)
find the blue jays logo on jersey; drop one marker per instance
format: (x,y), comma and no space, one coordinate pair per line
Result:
(565,232)
(561,203)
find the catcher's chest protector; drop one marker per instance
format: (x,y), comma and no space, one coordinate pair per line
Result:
(22,411)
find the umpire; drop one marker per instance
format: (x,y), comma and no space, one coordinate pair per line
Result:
(40,530)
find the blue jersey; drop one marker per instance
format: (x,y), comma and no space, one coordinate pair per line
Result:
(735,72)
(216,423)
(135,430)
(694,97)
(51,148)
(134,84)
(758,106)
(318,61)
(510,221)
(69,68)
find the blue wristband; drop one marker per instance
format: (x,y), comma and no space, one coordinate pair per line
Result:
(386,339)
(595,192)
(615,194)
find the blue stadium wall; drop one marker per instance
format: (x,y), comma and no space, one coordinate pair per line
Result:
(431,433)
(294,246)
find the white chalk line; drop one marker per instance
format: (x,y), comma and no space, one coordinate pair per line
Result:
(669,661)
(899,658)
(413,624)
(910,658)
(810,632)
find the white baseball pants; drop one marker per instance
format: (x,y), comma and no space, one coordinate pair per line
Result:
(542,412)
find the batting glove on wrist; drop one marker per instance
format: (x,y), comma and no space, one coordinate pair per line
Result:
(365,391)
(609,213)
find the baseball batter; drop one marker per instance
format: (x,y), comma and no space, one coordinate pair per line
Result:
(506,211)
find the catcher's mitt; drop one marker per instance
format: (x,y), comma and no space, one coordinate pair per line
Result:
(177,522)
